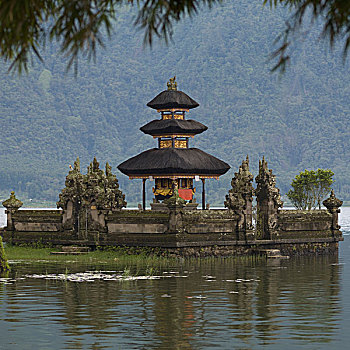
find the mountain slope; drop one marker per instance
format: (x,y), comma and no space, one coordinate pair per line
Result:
(48,118)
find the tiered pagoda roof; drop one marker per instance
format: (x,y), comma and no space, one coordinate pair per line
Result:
(173,159)
(173,127)
(170,99)
(174,162)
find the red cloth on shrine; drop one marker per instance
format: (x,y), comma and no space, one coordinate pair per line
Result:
(185,193)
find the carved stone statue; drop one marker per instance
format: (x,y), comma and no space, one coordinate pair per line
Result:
(74,187)
(114,198)
(268,202)
(175,204)
(11,204)
(96,187)
(87,194)
(333,204)
(71,197)
(240,197)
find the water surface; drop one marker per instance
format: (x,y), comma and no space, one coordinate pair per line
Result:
(301,303)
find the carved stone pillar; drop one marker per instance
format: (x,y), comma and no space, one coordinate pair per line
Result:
(12,205)
(240,200)
(333,204)
(268,202)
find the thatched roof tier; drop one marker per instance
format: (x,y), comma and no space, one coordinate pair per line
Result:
(173,161)
(173,127)
(172,99)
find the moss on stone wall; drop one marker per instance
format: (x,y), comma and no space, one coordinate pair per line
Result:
(311,248)
(137,214)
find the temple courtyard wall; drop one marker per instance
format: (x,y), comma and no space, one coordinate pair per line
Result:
(199,233)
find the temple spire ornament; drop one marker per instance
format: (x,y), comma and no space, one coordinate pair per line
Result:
(172,84)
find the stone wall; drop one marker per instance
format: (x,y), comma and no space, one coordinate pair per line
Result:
(177,229)
(210,221)
(302,224)
(253,249)
(30,226)
(294,224)
(37,220)
(27,223)
(199,228)
(134,221)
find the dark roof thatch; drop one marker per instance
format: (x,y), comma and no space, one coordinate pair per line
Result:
(169,99)
(173,126)
(172,162)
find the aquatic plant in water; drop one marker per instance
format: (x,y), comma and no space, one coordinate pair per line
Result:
(4,266)
(150,271)
(91,276)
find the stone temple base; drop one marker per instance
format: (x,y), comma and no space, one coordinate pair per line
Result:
(178,232)
(159,207)
(163,207)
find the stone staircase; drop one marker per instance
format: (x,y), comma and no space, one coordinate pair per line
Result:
(272,254)
(72,250)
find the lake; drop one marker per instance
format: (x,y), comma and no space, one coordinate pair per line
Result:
(300,303)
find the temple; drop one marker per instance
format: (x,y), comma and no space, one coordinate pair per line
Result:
(93,211)
(173,161)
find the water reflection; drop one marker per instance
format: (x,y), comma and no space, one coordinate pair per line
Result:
(299,303)
(221,304)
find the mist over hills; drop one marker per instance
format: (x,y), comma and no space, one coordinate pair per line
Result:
(48,118)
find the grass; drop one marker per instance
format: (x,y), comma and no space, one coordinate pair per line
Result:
(112,256)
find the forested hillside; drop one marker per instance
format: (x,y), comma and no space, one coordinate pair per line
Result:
(220,58)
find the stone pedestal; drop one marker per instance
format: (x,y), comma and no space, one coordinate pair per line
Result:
(190,206)
(159,207)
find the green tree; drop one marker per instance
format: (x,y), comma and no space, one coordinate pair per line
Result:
(323,185)
(25,25)
(309,188)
